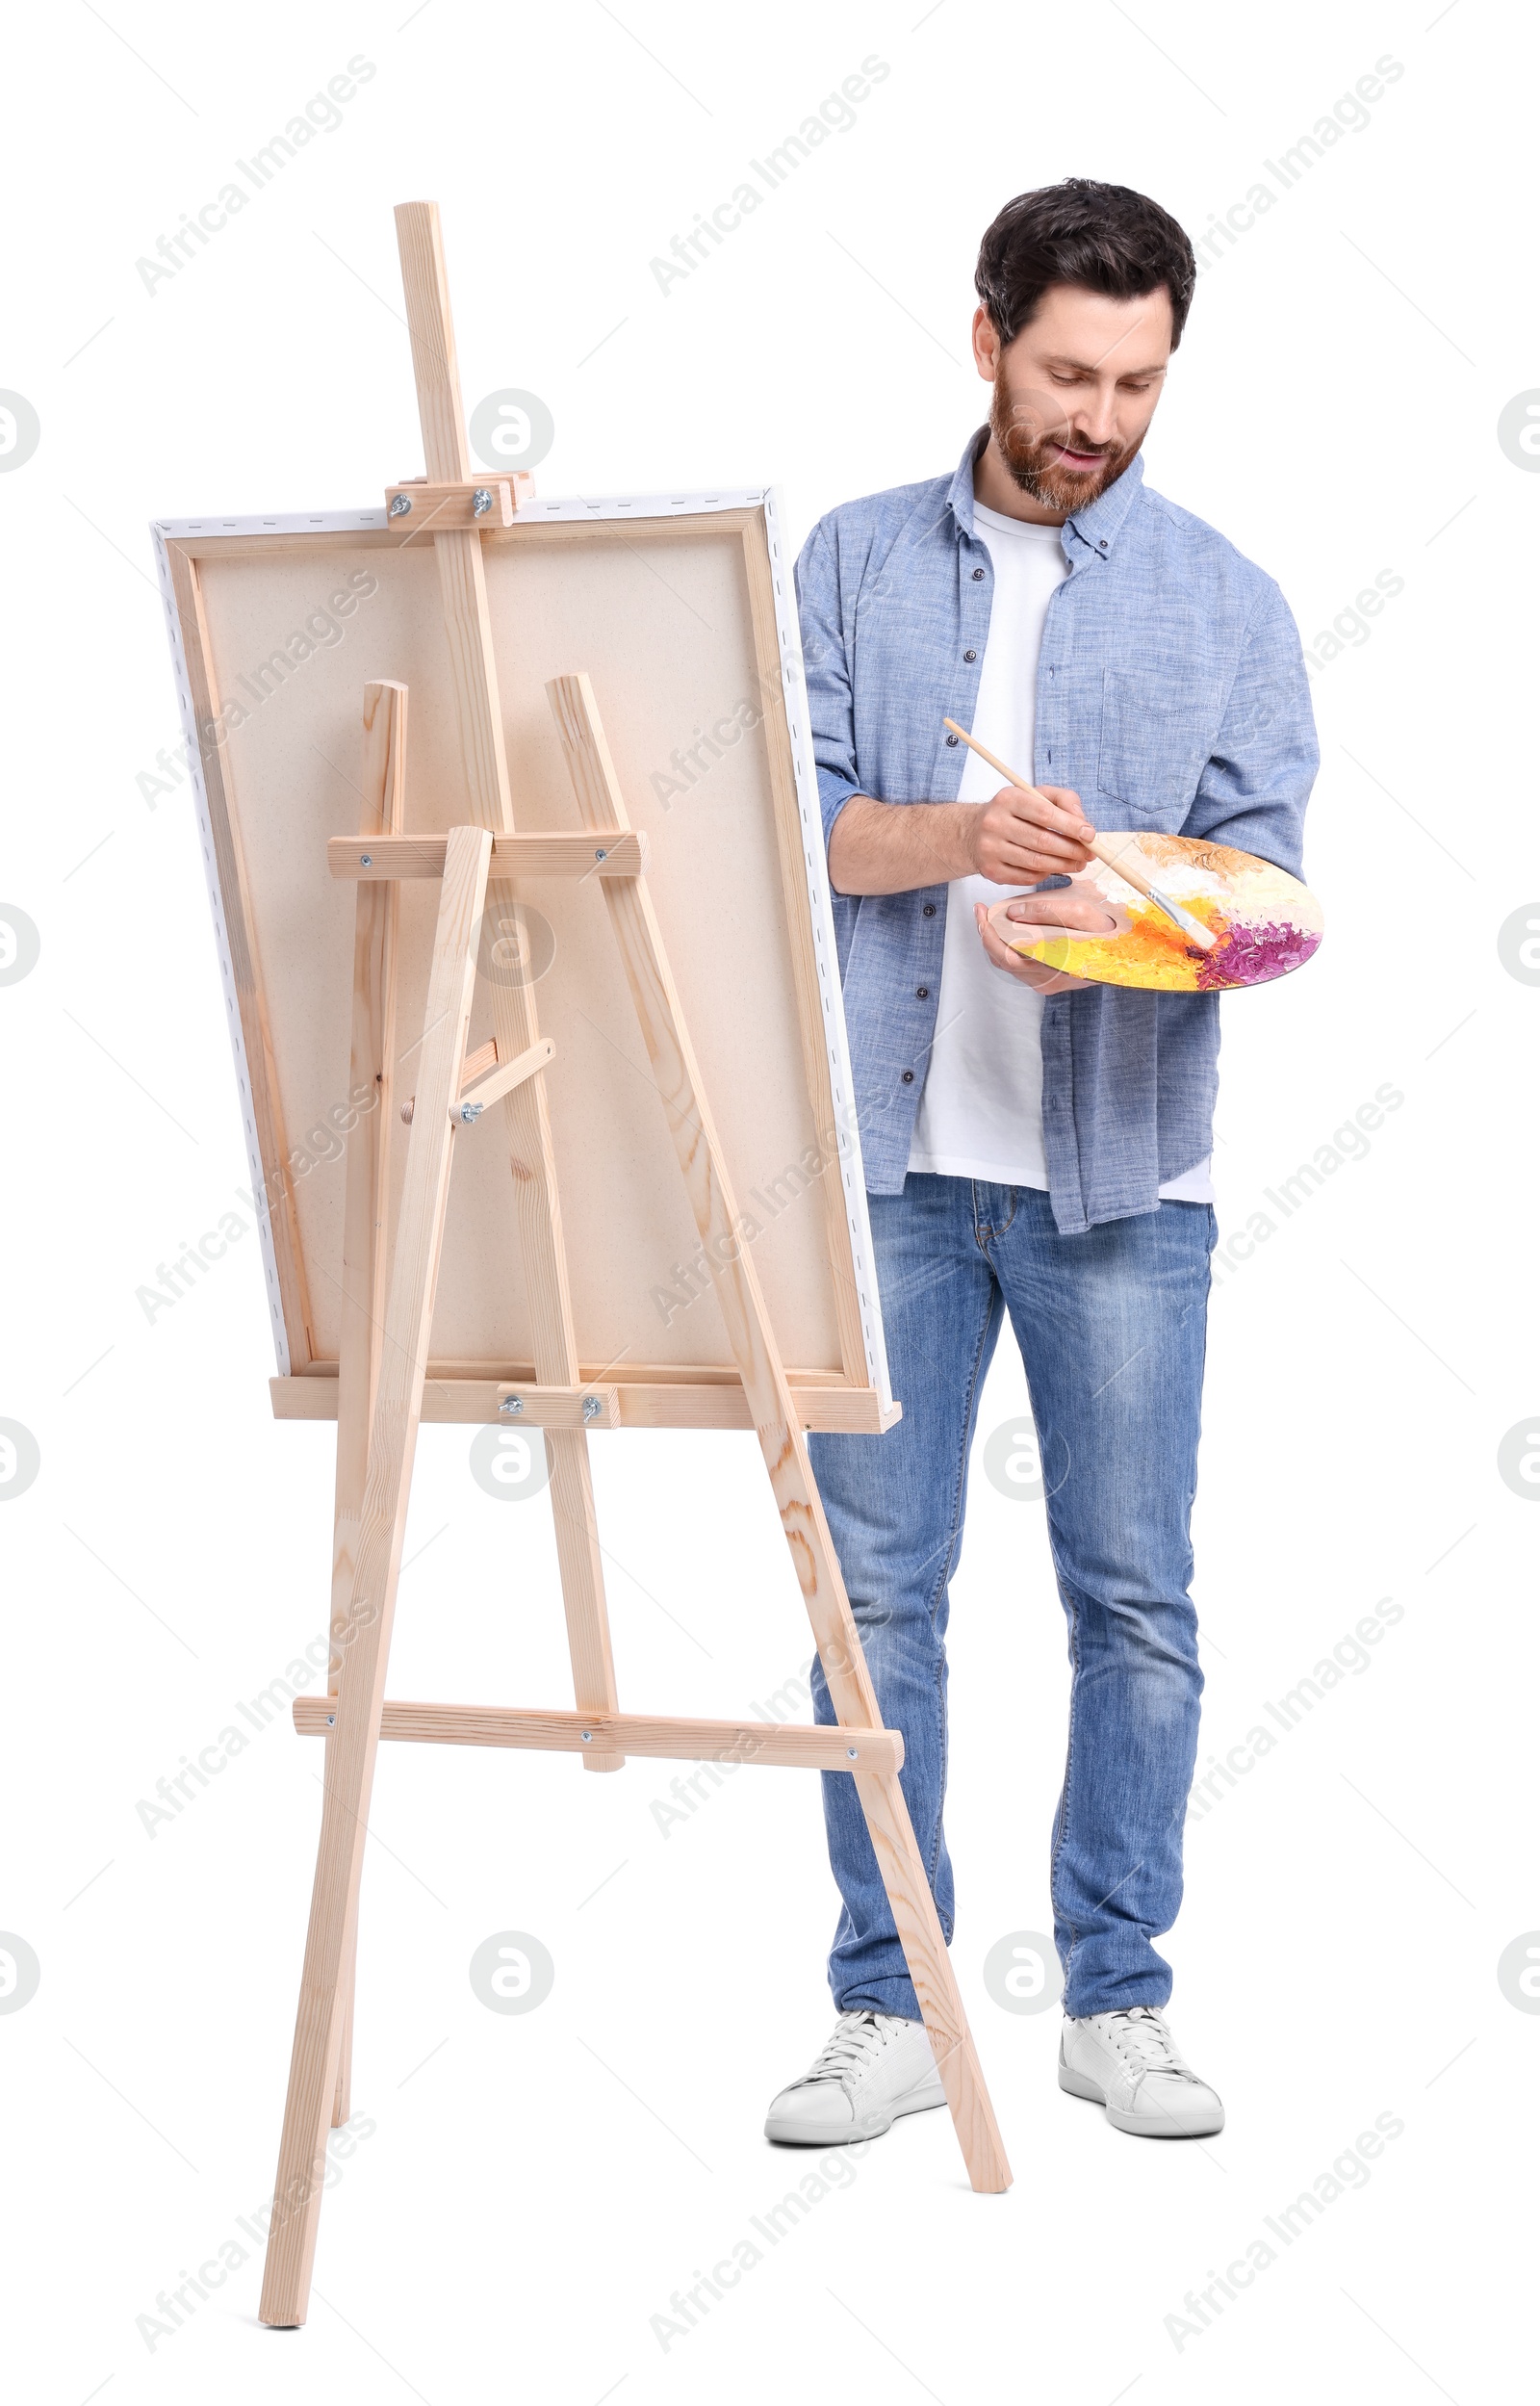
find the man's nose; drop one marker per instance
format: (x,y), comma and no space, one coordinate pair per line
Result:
(1096,424)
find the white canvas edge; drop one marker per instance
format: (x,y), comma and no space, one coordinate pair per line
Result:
(804,770)
(378,520)
(160,528)
(814,858)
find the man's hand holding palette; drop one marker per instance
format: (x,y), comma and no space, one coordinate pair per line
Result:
(1177,914)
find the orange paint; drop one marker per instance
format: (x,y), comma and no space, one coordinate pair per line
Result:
(1154,953)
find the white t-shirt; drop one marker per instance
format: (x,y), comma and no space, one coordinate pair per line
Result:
(981,1107)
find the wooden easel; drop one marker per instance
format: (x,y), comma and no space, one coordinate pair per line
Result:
(388,1314)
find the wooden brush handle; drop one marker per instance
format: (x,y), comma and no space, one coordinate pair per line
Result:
(1107,853)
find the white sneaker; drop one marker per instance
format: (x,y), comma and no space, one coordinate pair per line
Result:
(875,2068)
(1130,2063)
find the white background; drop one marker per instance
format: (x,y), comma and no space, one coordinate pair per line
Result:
(535,2187)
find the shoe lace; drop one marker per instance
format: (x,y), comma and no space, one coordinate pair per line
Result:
(1141,2038)
(857,2037)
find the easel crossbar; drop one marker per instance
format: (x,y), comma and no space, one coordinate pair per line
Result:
(790,1745)
(388,860)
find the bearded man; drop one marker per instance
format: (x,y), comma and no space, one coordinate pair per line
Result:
(1035,1145)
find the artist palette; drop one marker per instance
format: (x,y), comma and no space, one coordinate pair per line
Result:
(1267,923)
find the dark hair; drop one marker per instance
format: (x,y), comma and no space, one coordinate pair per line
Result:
(1100,236)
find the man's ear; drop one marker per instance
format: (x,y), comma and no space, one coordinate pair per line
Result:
(987,346)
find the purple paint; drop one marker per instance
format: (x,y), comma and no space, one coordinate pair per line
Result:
(1248,956)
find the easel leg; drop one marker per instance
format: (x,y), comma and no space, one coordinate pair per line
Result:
(930,1968)
(538,1203)
(313,2067)
(781,1441)
(892,1833)
(531,1160)
(371,1089)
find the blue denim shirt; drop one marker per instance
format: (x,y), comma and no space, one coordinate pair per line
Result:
(1171,694)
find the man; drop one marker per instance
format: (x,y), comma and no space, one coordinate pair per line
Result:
(1034,1144)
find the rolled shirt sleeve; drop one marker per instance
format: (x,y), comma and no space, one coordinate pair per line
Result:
(826,664)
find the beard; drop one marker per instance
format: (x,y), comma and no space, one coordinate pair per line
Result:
(1033,461)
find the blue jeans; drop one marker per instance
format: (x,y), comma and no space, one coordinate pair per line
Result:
(1112,1326)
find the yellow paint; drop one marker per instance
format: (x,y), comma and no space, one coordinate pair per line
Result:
(1154,953)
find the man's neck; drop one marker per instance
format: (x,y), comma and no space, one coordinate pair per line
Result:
(997,489)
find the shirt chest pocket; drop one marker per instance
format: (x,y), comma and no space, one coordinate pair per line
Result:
(1155,739)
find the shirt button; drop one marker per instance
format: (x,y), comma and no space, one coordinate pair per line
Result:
(1101,547)
(951,743)
(929,911)
(970,656)
(909,1077)
(923,992)
(977,576)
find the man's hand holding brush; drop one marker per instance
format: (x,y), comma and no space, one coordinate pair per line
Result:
(1026,834)
(1020,836)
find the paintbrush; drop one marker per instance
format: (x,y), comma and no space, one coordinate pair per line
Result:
(1108,854)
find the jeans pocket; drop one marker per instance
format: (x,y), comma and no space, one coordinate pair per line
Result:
(1154,743)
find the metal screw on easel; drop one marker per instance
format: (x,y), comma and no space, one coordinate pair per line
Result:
(511,1404)
(600,852)
(851,1752)
(401,506)
(480,502)
(366,860)
(592,1408)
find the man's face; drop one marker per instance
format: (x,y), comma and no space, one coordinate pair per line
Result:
(1075,392)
